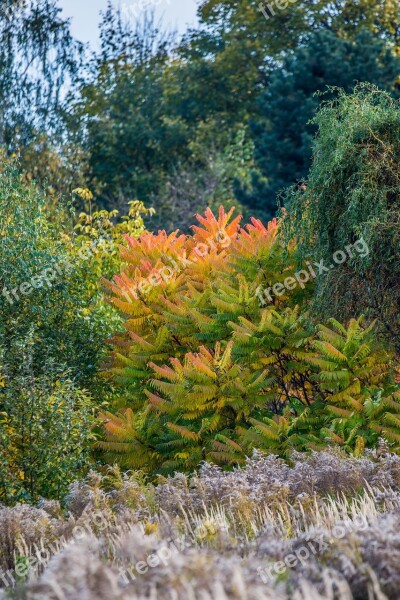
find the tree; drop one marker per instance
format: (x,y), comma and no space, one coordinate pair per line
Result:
(269,64)
(241,23)
(38,60)
(353,192)
(283,131)
(148,131)
(50,282)
(46,432)
(130,138)
(53,327)
(39,65)
(204,180)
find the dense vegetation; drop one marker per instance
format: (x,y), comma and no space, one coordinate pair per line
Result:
(353,190)
(52,332)
(233,337)
(220,116)
(199,301)
(216,362)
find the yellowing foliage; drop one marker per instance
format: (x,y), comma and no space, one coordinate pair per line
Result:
(209,374)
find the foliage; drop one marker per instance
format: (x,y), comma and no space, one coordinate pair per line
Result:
(43,285)
(281,129)
(241,23)
(38,57)
(207,368)
(139,140)
(52,333)
(45,435)
(50,280)
(40,63)
(129,137)
(132,119)
(209,373)
(207,179)
(353,193)
(102,232)
(268,70)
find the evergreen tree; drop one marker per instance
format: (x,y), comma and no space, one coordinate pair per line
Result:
(282,130)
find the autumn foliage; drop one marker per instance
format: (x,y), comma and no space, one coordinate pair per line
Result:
(209,373)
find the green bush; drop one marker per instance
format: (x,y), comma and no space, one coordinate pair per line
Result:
(53,327)
(353,192)
(45,435)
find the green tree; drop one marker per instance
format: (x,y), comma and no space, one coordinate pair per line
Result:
(53,327)
(38,59)
(50,281)
(129,136)
(241,23)
(353,193)
(282,131)
(39,65)
(150,132)
(46,428)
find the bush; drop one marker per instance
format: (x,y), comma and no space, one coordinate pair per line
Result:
(210,370)
(353,192)
(54,322)
(45,437)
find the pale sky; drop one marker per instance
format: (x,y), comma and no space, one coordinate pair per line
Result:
(85,14)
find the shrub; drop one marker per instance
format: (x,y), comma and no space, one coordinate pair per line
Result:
(209,372)
(45,436)
(353,191)
(53,325)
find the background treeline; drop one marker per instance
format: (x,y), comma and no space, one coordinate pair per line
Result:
(219,116)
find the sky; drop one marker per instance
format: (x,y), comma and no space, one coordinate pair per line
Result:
(86,14)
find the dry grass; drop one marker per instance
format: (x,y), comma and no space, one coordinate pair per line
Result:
(217,535)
